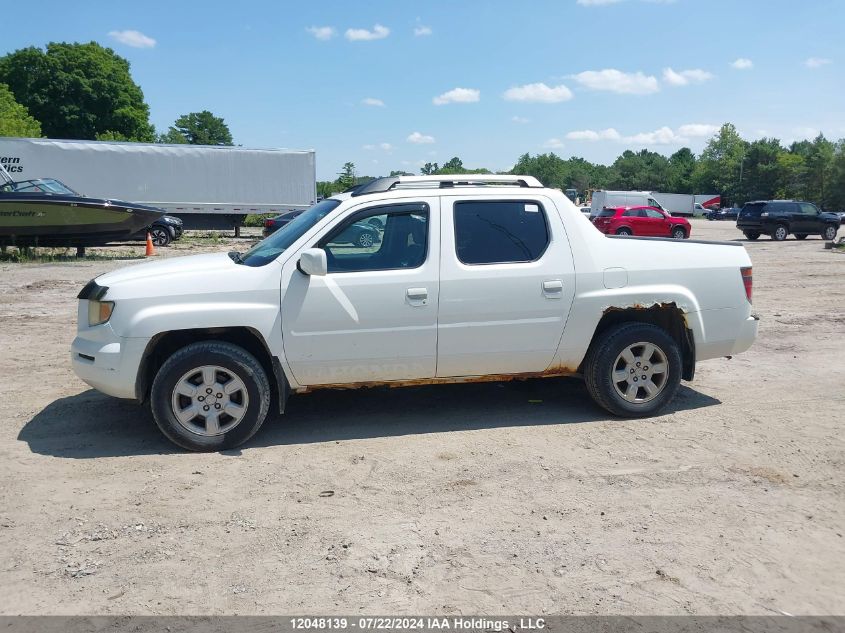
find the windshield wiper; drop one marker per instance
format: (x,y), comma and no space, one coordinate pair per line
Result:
(235,256)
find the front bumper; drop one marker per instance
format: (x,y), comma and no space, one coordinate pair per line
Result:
(107,362)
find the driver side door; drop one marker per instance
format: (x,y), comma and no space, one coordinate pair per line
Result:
(373,317)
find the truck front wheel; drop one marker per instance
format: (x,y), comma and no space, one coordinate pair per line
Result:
(210,396)
(633,370)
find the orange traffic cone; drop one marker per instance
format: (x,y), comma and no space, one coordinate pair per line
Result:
(150,249)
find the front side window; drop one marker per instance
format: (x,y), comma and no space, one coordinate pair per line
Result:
(382,238)
(654,213)
(500,231)
(808,209)
(269,249)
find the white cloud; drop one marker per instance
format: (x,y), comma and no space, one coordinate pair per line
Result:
(742,63)
(420,31)
(379,32)
(520,119)
(613,80)
(661,136)
(553,143)
(382,146)
(135,39)
(370,101)
(420,139)
(817,62)
(458,95)
(538,93)
(685,77)
(803,133)
(322,32)
(609,134)
(698,129)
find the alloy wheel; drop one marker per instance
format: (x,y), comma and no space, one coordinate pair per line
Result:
(209,400)
(640,372)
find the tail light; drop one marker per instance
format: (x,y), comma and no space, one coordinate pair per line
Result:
(745,271)
(268,223)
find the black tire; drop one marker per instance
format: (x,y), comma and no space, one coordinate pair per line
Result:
(161,236)
(751,235)
(679,234)
(624,231)
(780,233)
(829,232)
(800,236)
(601,363)
(230,358)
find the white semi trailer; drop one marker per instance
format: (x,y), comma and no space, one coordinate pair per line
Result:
(674,203)
(211,187)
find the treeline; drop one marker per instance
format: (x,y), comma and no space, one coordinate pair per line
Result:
(730,166)
(85,91)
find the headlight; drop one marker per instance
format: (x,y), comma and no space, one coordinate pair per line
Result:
(99,312)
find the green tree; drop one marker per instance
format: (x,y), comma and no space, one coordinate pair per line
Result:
(819,164)
(453,166)
(198,128)
(78,91)
(15,120)
(836,189)
(680,169)
(428,169)
(718,167)
(346,178)
(640,171)
(761,171)
(792,173)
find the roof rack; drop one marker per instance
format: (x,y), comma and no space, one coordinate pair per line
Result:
(380,185)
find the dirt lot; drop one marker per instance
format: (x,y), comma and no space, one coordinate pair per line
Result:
(486,498)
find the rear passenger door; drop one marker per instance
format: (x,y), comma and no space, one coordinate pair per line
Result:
(808,219)
(506,285)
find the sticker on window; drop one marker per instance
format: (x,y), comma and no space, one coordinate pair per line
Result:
(532,208)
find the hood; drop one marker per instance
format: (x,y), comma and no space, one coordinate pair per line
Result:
(168,270)
(830,216)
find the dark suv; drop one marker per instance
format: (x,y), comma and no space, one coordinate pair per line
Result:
(779,218)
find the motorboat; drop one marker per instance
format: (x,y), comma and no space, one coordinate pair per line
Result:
(46,212)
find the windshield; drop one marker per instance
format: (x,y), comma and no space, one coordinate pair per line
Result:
(42,185)
(269,249)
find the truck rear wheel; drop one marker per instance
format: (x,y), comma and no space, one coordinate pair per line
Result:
(633,370)
(210,396)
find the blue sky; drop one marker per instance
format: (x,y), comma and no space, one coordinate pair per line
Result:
(486,81)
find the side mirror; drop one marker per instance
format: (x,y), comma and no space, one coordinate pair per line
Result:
(313,262)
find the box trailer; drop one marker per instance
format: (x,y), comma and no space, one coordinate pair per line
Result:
(687,204)
(674,203)
(211,187)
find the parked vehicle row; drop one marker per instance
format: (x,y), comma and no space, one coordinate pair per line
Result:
(782,218)
(482,277)
(725,213)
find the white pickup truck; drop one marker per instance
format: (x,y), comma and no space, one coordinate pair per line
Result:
(467,278)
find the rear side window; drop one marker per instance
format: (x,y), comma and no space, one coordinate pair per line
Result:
(500,231)
(631,213)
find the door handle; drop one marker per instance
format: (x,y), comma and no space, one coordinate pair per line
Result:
(417,296)
(553,286)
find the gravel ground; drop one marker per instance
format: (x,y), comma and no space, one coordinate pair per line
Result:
(480,498)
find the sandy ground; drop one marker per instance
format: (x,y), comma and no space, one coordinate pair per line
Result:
(486,498)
